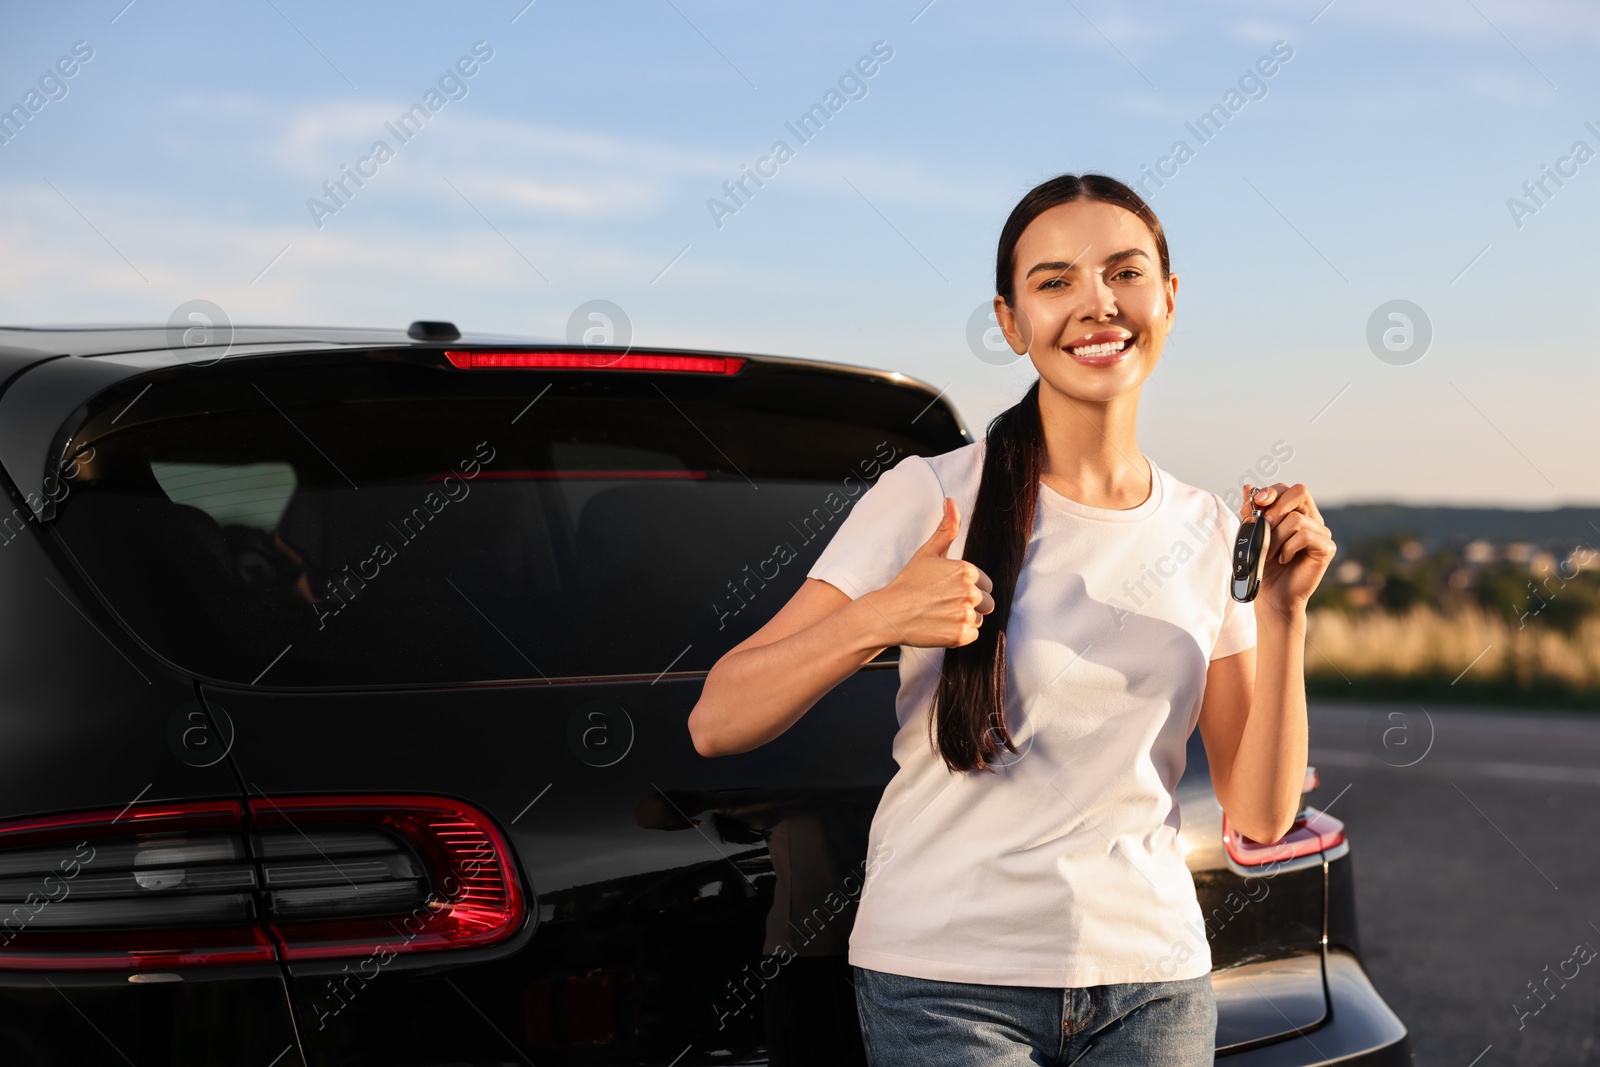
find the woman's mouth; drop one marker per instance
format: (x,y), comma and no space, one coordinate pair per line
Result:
(1102,353)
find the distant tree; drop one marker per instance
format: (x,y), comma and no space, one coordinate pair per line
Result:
(1400,593)
(1332,595)
(1564,607)
(1500,590)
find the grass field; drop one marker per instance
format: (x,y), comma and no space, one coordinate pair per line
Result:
(1469,657)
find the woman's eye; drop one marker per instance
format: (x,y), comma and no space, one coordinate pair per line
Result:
(1131,272)
(1052,283)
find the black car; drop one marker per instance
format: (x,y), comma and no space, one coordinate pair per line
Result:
(346,679)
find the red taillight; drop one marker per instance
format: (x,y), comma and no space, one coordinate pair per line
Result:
(594,359)
(466,895)
(22,832)
(1315,832)
(164,886)
(151,887)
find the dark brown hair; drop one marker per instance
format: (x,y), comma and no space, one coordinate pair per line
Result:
(969,702)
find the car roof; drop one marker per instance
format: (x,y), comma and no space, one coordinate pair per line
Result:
(123,338)
(46,372)
(150,347)
(126,343)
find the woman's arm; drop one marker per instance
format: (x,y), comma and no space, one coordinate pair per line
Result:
(762,685)
(1253,723)
(1253,714)
(765,683)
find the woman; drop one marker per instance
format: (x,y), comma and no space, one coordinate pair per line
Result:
(1055,656)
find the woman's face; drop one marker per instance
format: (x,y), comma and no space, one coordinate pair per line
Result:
(1092,310)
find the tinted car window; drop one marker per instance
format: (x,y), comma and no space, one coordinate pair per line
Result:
(379,524)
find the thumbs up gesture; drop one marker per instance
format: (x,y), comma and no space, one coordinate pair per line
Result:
(937,602)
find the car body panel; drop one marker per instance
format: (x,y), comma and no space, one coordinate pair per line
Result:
(91,1021)
(1360,1029)
(1277,998)
(88,721)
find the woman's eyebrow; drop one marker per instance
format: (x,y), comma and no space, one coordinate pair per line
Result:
(1059,265)
(1055,265)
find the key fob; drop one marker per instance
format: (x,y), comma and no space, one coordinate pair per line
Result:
(1250,556)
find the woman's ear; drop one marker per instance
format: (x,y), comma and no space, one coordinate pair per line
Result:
(1013,326)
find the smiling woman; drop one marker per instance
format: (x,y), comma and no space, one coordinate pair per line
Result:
(1040,898)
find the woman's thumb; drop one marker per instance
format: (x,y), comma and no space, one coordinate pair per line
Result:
(944,535)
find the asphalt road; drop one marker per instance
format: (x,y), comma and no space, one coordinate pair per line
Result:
(1476,836)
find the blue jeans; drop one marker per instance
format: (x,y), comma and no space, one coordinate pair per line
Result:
(909,1022)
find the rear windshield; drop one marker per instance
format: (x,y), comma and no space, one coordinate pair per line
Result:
(371,522)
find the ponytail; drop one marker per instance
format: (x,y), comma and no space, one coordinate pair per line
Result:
(969,704)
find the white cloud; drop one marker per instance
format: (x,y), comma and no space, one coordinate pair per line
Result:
(605,195)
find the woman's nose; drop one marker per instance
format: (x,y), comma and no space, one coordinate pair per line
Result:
(1101,302)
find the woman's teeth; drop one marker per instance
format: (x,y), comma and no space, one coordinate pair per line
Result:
(1101,350)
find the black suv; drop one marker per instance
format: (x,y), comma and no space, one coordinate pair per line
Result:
(346,678)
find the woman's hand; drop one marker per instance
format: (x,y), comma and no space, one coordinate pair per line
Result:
(935,602)
(1301,546)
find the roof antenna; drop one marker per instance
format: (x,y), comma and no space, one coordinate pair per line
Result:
(433,331)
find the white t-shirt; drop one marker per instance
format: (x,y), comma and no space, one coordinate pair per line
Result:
(1062,867)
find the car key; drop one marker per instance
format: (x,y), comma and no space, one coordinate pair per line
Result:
(1250,554)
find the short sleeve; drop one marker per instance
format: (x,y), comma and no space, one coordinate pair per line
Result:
(889,522)
(1238,620)
(1238,629)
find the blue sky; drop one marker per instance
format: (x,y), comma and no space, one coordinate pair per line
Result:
(576,163)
